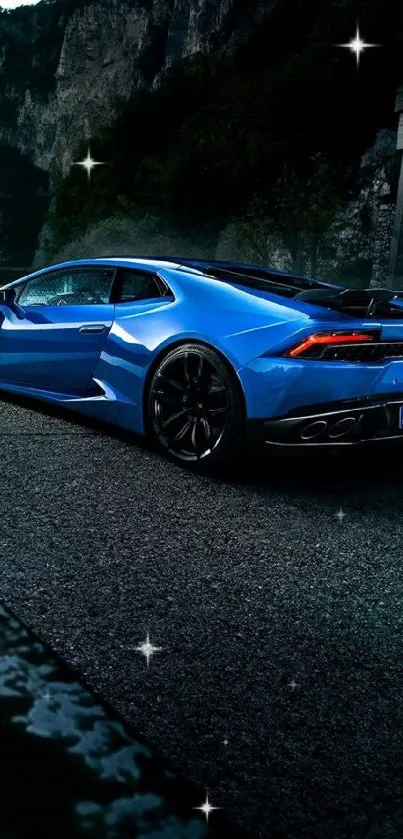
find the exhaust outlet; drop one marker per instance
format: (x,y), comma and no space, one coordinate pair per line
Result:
(344,427)
(313,430)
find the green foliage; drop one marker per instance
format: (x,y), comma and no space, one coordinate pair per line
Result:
(139,233)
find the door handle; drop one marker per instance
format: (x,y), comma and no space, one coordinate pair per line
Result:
(92,329)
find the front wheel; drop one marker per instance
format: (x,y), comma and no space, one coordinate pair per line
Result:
(195,409)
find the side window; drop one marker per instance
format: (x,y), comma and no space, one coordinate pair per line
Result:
(74,287)
(138,285)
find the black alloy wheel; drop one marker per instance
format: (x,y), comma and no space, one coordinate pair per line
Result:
(195,408)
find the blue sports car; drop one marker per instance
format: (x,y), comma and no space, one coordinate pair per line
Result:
(207,357)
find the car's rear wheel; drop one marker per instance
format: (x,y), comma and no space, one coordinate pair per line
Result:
(195,408)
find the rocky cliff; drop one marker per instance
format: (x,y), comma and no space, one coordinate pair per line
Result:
(110,49)
(66,67)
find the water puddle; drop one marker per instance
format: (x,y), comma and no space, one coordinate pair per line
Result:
(71,769)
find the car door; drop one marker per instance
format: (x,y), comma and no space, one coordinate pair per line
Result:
(53,334)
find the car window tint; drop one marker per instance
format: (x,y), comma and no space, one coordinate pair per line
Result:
(61,288)
(138,285)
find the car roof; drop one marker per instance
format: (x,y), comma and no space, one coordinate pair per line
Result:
(179,262)
(182,264)
(277,281)
(147,262)
(138,260)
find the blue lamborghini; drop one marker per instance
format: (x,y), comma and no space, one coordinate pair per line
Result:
(207,357)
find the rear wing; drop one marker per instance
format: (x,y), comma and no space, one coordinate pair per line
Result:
(264,279)
(365,302)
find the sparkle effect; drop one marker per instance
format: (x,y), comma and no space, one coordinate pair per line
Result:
(88,163)
(206,808)
(357,45)
(148,649)
(340,515)
(293,685)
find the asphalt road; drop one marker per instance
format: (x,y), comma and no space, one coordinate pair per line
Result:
(281,624)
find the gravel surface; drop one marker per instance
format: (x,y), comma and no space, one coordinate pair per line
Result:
(280,623)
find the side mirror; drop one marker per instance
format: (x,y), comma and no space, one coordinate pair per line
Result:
(8,296)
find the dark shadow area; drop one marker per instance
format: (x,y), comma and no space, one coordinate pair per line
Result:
(350,470)
(358,474)
(72,769)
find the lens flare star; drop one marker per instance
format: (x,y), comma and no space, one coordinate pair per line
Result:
(340,515)
(88,163)
(357,45)
(206,808)
(148,649)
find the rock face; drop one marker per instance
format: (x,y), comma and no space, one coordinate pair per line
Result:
(355,251)
(111,48)
(358,251)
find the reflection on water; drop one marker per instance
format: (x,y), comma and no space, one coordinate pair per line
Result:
(69,769)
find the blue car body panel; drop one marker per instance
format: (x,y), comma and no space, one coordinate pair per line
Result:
(44,346)
(104,373)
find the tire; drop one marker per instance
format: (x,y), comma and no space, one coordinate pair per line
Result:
(195,409)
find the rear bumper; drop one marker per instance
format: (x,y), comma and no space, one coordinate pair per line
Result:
(334,425)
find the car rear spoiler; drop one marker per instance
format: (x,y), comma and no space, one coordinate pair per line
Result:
(364,302)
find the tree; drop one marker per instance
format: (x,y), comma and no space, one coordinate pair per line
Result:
(305,204)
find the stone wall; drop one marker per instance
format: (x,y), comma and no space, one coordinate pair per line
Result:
(382,245)
(355,251)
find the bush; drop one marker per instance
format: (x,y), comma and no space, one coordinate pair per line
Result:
(123,236)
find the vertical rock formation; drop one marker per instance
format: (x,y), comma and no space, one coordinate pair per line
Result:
(110,49)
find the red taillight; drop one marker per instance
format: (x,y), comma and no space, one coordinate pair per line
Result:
(326,339)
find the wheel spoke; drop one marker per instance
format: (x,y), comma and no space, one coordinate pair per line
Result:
(174,417)
(212,412)
(173,383)
(194,429)
(218,388)
(205,380)
(207,429)
(195,441)
(182,433)
(186,369)
(167,399)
